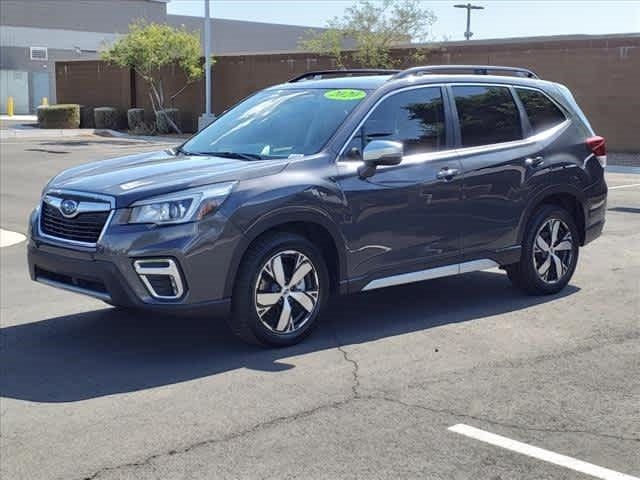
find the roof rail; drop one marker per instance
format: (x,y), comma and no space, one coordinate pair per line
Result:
(357,72)
(473,69)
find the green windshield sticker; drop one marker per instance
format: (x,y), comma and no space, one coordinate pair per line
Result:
(345,94)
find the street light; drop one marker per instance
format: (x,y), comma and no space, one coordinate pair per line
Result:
(207,117)
(469,7)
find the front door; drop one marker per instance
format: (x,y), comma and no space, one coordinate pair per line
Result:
(39,88)
(405,217)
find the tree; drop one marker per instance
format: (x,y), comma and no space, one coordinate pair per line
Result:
(148,49)
(374,27)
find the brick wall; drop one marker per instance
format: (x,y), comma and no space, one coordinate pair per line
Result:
(602,72)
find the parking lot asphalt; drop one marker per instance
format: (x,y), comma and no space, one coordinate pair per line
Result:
(91,392)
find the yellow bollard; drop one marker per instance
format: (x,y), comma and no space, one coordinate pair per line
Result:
(45,101)
(10,106)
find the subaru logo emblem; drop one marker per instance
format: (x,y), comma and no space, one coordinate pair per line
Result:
(69,207)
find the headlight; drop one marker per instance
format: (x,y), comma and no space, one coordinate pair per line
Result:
(181,207)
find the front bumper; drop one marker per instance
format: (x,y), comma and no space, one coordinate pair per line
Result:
(103,280)
(202,251)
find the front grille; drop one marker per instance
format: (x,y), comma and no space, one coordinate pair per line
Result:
(85,227)
(93,285)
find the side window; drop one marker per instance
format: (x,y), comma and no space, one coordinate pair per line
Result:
(542,112)
(487,115)
(413,117)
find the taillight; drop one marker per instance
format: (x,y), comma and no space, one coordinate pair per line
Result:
(598,146)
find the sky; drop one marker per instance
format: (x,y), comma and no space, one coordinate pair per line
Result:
(500,19)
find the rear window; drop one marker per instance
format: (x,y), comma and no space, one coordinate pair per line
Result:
(487,115)
(542,112)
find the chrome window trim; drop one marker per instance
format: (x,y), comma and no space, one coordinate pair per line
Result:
(461,152)
(455,152)
(549,133)
(65,241)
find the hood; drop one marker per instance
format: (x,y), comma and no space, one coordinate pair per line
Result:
(135,177)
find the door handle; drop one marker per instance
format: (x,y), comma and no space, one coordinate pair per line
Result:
(447,173)
(534,162)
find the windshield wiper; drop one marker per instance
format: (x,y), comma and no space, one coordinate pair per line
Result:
(241,156)
(179,149)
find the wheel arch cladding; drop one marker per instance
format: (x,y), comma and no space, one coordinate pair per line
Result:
(570,200)
(314,227)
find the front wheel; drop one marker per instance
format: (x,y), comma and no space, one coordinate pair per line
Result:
(549,252)
(281,288)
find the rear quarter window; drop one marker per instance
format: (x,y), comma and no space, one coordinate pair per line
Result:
(542,112)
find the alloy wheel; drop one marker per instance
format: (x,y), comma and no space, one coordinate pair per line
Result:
(553,251)
(286,292)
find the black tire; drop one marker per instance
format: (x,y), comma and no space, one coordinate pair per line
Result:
(523,274)
(244,320)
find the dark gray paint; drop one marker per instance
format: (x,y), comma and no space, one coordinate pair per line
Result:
(402,219)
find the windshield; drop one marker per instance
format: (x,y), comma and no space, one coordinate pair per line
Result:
(277,124)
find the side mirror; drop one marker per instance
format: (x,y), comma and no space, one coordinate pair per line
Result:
(380,152)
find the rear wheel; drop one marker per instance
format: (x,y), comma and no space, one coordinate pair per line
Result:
(549,252)
(282,286)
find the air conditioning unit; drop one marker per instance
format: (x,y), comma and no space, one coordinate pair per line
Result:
(38,53)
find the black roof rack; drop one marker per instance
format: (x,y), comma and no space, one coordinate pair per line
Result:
(357,72)
(473,69)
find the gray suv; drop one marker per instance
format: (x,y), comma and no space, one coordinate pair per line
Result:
(335,182)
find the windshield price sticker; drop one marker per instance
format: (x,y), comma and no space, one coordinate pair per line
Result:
(345,94)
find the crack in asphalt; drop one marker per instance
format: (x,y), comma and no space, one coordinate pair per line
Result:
(355,372)
(355,395)
(148,461)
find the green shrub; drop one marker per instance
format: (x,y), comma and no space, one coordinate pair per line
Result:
(106,118)
(86,117)
(39,114)
(162,124)
(59,116)
(135,119)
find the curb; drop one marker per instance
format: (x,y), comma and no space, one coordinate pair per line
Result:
(75,132)
(47,133)
(148,138)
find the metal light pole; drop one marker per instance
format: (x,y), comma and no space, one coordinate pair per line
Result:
(468,34)
(207,117)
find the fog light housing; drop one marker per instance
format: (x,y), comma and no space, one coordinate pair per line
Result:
(161,276)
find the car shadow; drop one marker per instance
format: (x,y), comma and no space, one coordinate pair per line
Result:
(108,351)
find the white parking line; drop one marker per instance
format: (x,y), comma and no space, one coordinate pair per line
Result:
(625,186)
(8,238)
(540,453)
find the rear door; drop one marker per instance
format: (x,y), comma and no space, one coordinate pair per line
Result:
(505,138)
(404,218)
(490,138)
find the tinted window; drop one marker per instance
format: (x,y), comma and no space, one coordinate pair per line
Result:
(278,123)
(542,112)
(487,115)
(414,117)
